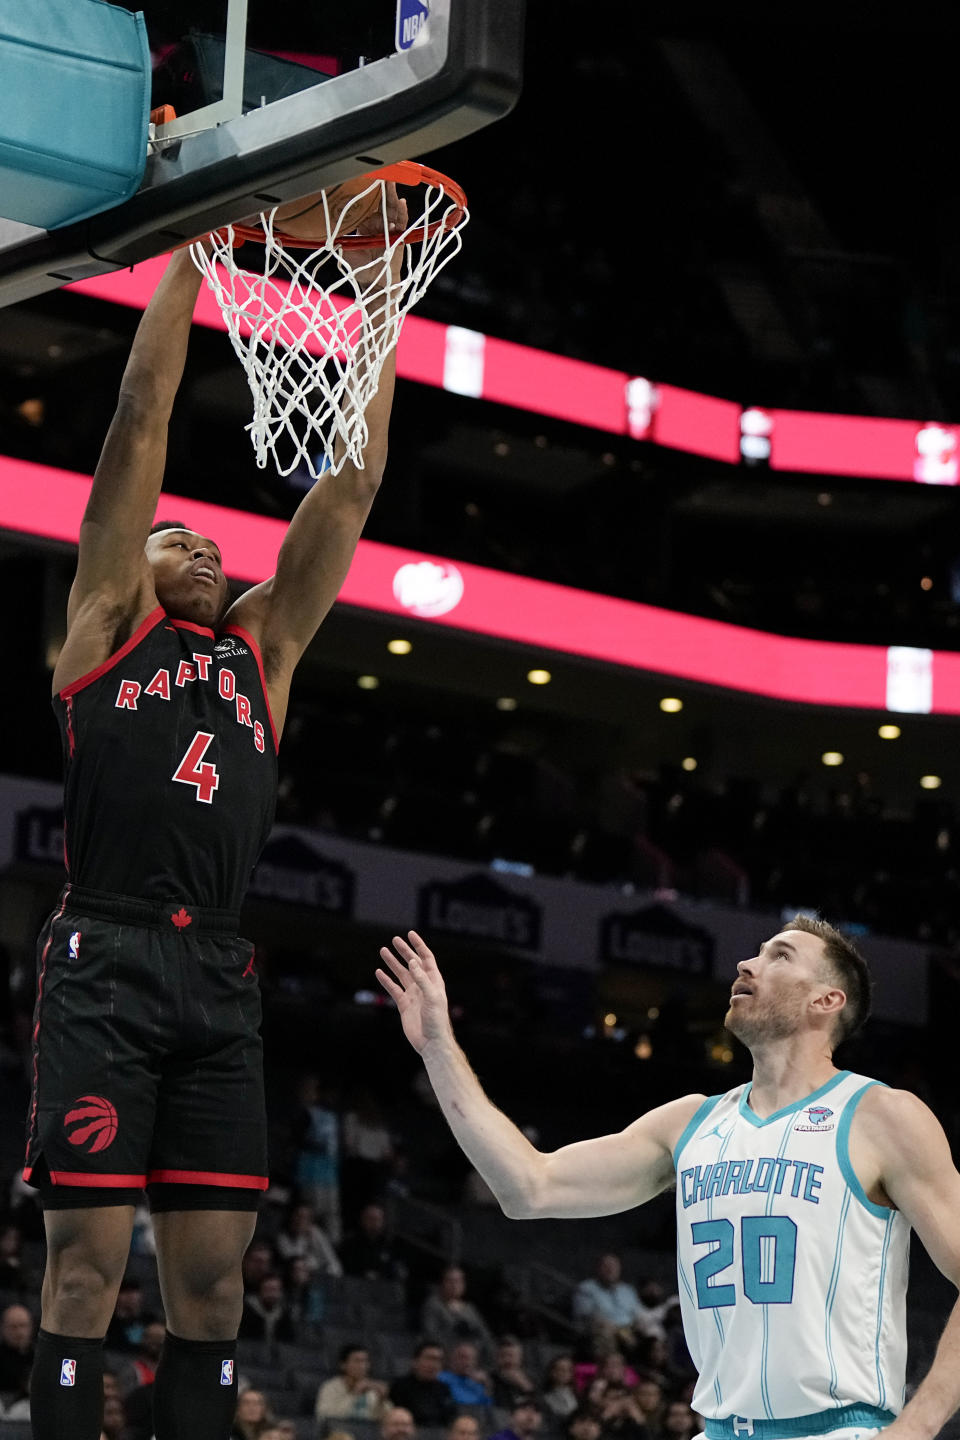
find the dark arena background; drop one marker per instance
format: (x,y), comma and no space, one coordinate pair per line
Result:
(651,642)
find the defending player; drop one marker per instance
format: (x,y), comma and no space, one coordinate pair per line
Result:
(147,1060)
(795,1197)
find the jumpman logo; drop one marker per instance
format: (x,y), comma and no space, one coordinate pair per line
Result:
(717,1131)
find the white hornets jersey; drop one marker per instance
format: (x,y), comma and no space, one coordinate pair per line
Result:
(792,1282)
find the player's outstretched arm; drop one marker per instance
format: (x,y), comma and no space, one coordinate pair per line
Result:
(111,566)
(591,1177)
(911,1155)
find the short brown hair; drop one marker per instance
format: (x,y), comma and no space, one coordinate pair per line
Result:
(850,970)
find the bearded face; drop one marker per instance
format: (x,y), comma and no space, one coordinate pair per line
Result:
(772,996)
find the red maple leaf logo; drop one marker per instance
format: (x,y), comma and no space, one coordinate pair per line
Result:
(181,918)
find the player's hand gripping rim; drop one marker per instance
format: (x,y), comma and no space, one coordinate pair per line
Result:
(417,989)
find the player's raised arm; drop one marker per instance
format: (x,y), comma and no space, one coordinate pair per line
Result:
(591,1177)
(111,566)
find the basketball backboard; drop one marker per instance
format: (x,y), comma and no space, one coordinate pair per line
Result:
(274,99)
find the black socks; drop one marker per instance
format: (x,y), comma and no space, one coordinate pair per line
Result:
(195,1392)
(66,1388)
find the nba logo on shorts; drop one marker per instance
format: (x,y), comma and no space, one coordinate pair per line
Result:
(226,1372)
(68,1372)
(74,946)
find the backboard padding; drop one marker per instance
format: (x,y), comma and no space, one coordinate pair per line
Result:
(464,74)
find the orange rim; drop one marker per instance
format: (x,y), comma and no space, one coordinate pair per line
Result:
(404,172)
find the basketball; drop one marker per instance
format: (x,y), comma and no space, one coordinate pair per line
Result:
(349,206)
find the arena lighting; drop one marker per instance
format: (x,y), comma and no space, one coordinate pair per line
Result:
(831,757)
(539,677)
(399,647)
(889,732)
(506,702)
(367,682)
(670,705)
(688,763)
(44,502)
(930,782)
(799,441)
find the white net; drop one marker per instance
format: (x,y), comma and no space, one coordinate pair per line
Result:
(313,327)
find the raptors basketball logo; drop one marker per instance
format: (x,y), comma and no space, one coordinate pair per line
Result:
(95,1121)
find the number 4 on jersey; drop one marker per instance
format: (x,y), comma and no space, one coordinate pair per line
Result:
(194,770)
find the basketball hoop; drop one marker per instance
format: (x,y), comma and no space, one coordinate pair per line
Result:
(313,330)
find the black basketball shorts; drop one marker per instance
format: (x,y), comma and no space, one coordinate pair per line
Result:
(147,1064)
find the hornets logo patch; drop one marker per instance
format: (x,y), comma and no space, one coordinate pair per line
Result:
(817,1119)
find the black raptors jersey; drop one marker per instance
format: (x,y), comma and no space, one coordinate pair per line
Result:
(171,766)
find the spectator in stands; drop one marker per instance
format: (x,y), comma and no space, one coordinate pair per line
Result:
(15,1277)
(367,1152)
(558,1392)
(421,1392)
(463,1427)
(259,1260)
(607,1309)
(25,1208)
(252,1416)
(648,1394)
(266,1313)
(615,1370)
(143,1240)
(583,1425)
(301,1236)
(680,1422)
(17,1339)
(463,1377)
(397,1424)
(679,1363)
(524,1420)
(654,1304)
(125,1330)
(352,1394)
(305,1292)
(281,1430)
(508,1378)
(141,1368)
(448,1317)
(368,1249)
(621,1417)
(316,1162)
(114,1423)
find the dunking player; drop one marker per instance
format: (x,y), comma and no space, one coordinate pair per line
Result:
(795,1198)
(147,1062)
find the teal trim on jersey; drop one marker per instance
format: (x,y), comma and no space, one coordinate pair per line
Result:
(822,1422)
(699,1115)
(882,1212)
(883,1277)
(748,1114)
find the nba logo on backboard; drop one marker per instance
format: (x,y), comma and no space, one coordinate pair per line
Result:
(68,1372)
(412,16)
(226,1372)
